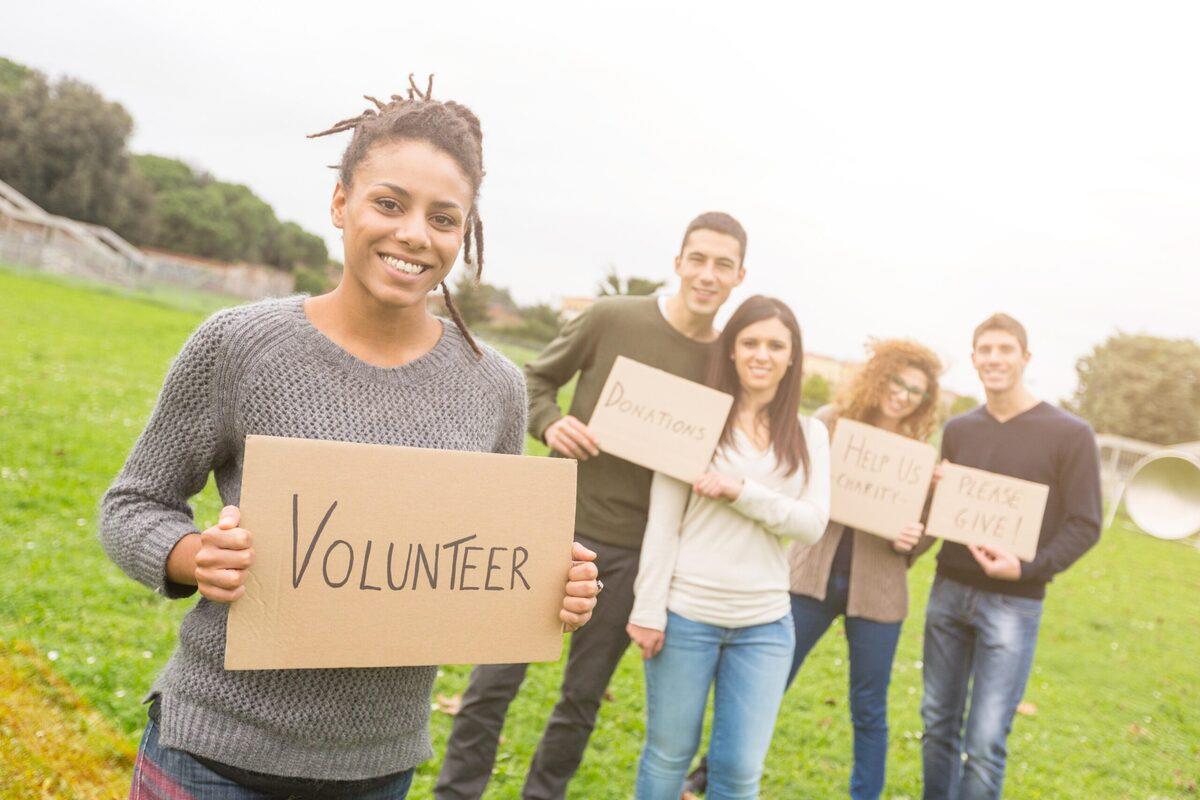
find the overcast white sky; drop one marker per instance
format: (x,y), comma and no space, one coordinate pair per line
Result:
(901,168)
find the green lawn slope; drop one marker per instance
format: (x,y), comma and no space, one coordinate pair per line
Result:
(1113,699)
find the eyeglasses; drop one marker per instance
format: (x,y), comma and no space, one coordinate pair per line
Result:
(911,392)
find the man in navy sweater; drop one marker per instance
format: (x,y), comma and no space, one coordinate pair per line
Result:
(986,605)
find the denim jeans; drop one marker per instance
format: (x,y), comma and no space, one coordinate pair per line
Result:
(749,668)
(985,641)
(872,650)
(163,773)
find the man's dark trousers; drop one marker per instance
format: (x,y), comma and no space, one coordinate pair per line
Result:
(596,649)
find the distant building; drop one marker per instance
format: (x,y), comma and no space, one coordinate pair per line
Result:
(32,237)
(240,279)
(832,369)
(571,307)
(500,316)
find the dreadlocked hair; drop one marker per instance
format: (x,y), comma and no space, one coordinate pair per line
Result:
(861,396)
(450,127)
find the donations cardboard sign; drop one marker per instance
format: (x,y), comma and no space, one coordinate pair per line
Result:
(973,506)
(879,479)
(659,420)
(374,556)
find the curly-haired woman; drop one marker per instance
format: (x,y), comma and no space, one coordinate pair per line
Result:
(857,575)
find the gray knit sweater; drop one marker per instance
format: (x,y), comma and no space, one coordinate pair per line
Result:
(264,369)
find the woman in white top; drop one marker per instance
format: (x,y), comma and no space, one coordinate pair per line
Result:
(712,603)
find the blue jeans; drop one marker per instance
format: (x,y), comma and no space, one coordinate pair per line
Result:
(872,649)
(163,773)
(993,636)
(749,667)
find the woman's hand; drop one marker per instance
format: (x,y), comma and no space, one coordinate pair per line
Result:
(583,585)
(718,486)
(649,640)
(216,560)
(908,537)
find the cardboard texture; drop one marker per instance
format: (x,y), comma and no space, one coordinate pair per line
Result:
(478,546)
(973,506)
(880,479)
(659,420)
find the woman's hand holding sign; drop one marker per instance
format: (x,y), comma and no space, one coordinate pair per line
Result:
(908,537)
(582,587)
(216,560)
(715,486)
(571,437)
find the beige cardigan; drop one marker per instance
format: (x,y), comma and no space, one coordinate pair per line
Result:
(878,574)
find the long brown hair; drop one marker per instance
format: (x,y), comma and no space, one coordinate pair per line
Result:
(783,412)
(861,396)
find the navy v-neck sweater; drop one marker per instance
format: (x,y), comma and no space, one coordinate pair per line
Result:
(1046,445)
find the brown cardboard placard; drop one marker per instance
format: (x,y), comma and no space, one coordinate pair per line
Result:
(973,506)
(879,479)
(478,546)
(659,420)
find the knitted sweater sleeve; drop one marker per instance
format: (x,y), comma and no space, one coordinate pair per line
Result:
(146,512)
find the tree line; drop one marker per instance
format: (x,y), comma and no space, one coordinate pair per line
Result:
(64,146)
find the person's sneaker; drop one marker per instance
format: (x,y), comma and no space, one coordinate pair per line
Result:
(697,781)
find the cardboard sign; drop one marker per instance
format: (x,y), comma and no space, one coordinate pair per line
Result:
(374,556)
(879,479)
(973,506)
(659,420)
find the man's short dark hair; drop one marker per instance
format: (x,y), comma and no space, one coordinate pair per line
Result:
(1002,322)
(720,222)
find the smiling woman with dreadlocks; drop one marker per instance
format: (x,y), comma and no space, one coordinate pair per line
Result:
(364,363)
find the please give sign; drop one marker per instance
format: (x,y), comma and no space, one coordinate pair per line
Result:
(374,556)
(972,506)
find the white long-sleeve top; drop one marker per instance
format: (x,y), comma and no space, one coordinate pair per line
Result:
(723,563)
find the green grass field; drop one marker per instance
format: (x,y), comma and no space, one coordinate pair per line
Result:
(1116,683)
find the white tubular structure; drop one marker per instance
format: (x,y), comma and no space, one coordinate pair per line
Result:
(1162,495)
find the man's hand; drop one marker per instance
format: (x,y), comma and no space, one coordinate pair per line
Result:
(215,561)
(717,486)
(582,588)
(572,438)
(649,640)
(939,471)
(908,537)
(996,563)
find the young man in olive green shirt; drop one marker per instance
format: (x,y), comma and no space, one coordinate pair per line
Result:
(673,334)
